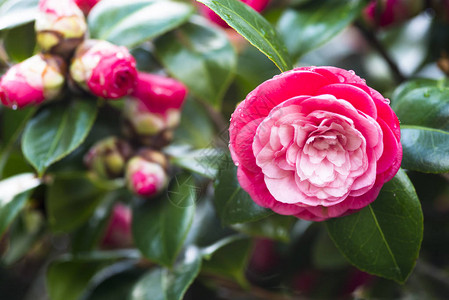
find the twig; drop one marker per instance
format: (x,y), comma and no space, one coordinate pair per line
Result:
(375,43)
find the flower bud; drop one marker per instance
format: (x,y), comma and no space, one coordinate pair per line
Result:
(118,232)
(107,158)
(389,12)
(104,69)
(60,26)
(146,174)
(154,109)
(86,5)
(38,78)
(257,5)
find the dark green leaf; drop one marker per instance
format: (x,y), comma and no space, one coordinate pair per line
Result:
(196,128)
(385,237)
(132,22)
(17,12)
(230,261)
(161,225)
(71,200)
(198,50)
(423,109)
(14,192)
(163,284)
(201,161)
(68,277)
(233,204)
(275,227)
(56,131)
(316,22)
(20,42)
(253,27)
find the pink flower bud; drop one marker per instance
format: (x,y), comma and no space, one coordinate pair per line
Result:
(107,158)
(104,69)
(154,109)
(60,26)
(86,5)
(32,81)
(257,5)
(390,12)
(118,232)
(146,175)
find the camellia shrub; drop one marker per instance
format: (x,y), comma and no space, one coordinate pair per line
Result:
(226,149)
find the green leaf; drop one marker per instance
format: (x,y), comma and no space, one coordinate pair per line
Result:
(233,204)
(423,109)
(68,277)
(20,42)
(71,200)
(253,27)
(17,12)
(132,22)
(161,225)
(315,23)
(163,284)
(385,237)
(201,161)
(56,131)
(196,128)
(14,192)
(198,50)
(325,254)
(275,227)
(230,261)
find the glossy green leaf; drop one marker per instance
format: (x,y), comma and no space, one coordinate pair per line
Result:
(56,131)
(164,284)
(17,12)
(253,27)
(411,85)
(132,22)
(385,237)
(423,109)
(20,42)
(232,203)
(71,200)
(313,24)
(198,50)
(275,227)
(161,225)
(201,161)
(68,277)
(230,261)
(14,192)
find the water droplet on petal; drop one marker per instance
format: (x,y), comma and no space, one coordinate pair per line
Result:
(14,106)
(352,72)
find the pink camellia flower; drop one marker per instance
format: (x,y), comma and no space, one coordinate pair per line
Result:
(146,174)
(38,78)
(86,5)
(154,108)
(389,12)
(257,5)
(118,232)
(60,26)
(315,142)
(104,69)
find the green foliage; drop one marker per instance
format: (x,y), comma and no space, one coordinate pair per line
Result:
(198,50)
(385,237)
(130,23)
(17,12)
(253,27)
(56,131)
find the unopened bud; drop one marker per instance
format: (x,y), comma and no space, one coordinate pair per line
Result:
(86,5)
(38,78)
(118,233)
(390,12)
(153,110)
(146,175)
(108,157)
(104,69)
(60,26)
